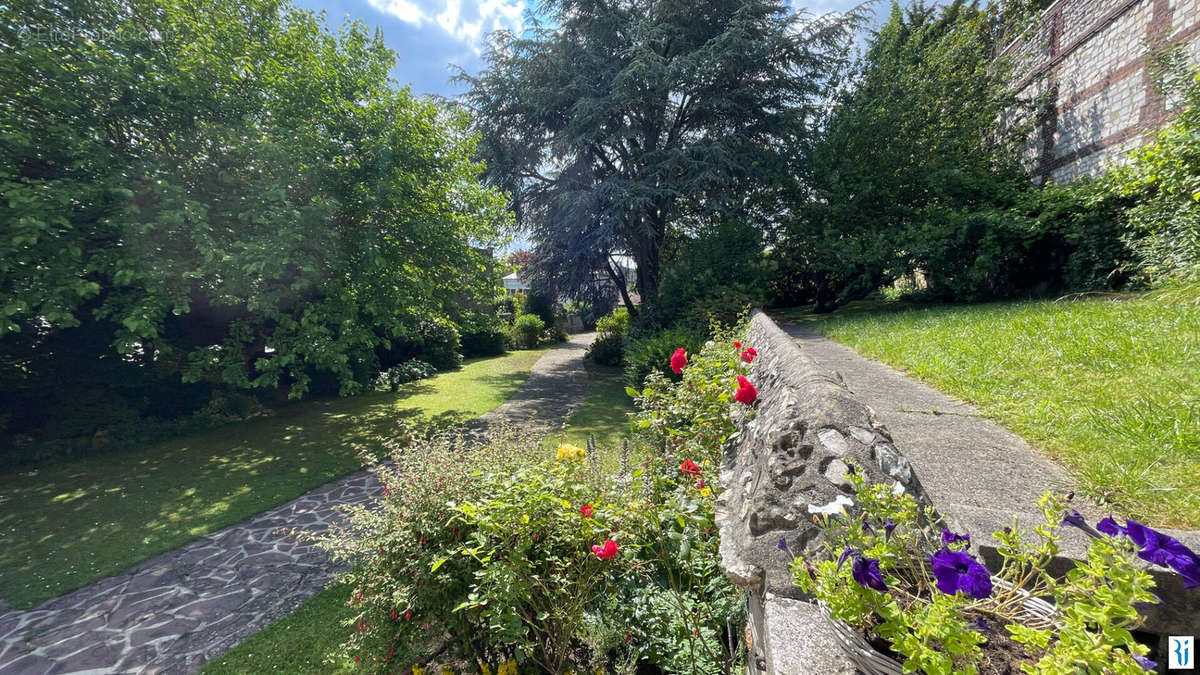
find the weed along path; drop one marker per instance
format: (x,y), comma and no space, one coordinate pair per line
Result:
(175,612)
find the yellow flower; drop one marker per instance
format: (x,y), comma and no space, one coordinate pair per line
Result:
(447,670)
(568,451)
(418,670)
(484,669)
(704,492)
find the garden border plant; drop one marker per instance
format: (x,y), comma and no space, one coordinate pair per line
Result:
(885,572)
(478,555)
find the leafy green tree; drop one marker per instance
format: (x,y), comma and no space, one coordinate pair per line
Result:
(616,123)
(225,192)
(911,159)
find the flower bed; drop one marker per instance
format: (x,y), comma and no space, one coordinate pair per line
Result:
(480,555)
(924,600)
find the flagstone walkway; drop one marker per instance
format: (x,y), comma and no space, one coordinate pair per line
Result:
(176,612)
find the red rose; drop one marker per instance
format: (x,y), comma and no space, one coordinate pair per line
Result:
(700,484)
(678,360)
(608,550)
(689,468)
(407,614)
(737,345)
(749,354)
(586,510)
(746,392)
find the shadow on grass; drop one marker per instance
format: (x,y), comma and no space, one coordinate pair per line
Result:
(64,525)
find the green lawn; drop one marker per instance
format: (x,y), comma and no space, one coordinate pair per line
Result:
(605,414)
(1110,387)
(296,643)
(68,524)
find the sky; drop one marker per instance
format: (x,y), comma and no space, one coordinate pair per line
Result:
(430,36)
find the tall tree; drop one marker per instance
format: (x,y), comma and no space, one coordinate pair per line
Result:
(225,190)
(621,119)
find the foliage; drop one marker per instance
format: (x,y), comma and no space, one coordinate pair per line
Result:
(409,371)
(614,125)
(488,341)
(439,344)
(932,615)
(1102,384)
(1163,182)
(538,303)
(910,171)
(608,347)
(713,275)
(487,555)
(527,330)
(257,206)
(651,353)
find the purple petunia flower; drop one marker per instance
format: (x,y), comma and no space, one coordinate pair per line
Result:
(887,530)
(957,571)
(1110,527)
(949,537)
(846,553)
(1158,548)
(783,546)
(1165,550)
(1075,518)
(1146,663)
(867,573)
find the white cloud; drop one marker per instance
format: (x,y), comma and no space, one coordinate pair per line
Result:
(462,19)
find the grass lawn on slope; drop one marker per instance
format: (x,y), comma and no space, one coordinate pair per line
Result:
(1110,387)
(298,643)
(65,525)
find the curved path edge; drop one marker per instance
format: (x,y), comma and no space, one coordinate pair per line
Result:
(177,611)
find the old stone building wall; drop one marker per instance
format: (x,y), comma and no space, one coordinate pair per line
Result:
(1089,59)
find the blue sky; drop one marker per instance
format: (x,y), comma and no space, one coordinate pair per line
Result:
(430,35)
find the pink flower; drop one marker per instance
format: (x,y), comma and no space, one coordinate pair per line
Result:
(689,468)
(608,550)
(749,354)
(746,392)
(586,510)
(679,360)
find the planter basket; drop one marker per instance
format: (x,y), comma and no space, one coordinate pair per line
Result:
(870,661)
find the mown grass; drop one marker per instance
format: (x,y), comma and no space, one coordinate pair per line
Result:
(298,643)
(65,525)
(604,415)
(1109,386)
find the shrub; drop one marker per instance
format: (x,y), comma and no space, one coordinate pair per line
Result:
(478,546)
(527,330)
(409,371)
(645,355)
(615,323)
(439,344)
(485,342)
(608,348)
(540,305)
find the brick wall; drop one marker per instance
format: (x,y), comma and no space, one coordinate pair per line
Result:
(1089,58)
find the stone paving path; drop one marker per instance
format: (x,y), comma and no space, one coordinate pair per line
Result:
(974,470)
(176,612)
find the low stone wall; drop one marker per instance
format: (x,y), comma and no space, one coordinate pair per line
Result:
(793,453)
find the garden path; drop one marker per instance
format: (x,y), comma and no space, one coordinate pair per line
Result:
(175,612)
(978,473)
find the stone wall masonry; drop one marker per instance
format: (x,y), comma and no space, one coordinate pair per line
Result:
(1090,58)
(791,454)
